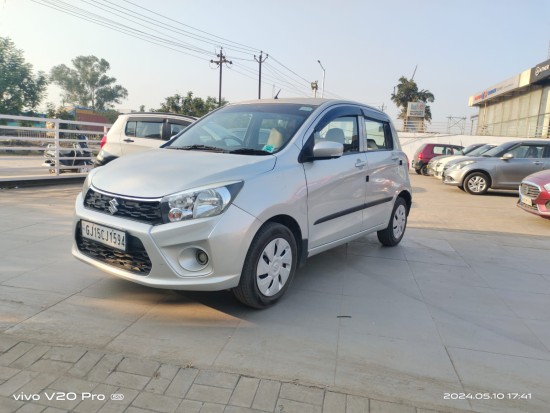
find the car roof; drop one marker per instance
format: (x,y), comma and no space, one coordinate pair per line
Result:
(161,114)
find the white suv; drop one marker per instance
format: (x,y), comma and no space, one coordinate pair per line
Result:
(244,195)
(139,131)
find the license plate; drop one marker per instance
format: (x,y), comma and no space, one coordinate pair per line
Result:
(526,201)
(104,235)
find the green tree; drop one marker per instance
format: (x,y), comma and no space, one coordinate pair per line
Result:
(407,91)
(87,84)
(189,105)
(20,89)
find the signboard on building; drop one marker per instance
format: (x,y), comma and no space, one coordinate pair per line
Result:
(416,109)
(540,71)
(496,90)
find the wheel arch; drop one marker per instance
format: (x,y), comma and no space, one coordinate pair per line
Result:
(406,195)
(294,227)
(482,171)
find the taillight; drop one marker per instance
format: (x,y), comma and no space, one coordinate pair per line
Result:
(103,141)
(420,156)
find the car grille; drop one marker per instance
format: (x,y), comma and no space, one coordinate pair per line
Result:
(143,211)
(135,259)
(529,190)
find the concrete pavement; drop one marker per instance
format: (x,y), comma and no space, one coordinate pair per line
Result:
(461,308)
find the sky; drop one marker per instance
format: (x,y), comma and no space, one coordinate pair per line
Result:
(458,48)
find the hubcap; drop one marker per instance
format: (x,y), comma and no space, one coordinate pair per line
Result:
(477,184)
(274,267)
(399,221)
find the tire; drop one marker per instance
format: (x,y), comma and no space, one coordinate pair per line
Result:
(269,267)
(424,170)
(461,188)
(418,171)
(476,183)
(393,234)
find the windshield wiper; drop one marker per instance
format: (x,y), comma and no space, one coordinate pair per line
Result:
(198,147)
(249,151)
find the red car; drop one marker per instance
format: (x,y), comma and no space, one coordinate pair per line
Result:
(534,194)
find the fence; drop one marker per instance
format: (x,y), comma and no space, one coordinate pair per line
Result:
(22,147)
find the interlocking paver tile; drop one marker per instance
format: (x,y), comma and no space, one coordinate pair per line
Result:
(334,402)
(217,379)
(156,402)
(267,395)
(356,404)
(50,366)
(39,383)
(377,406)
(212,408)
(14,353)
(104,367)
(182,382)
(189,406)
(244,392)
(69,354)
(210,394)
(92,404)
(7,372)
(291,406)
(9,405)
(302,394)
(31,408)
(6,343)
(8,388)
(132,381)
(30,357)
(85,364)
(138,366)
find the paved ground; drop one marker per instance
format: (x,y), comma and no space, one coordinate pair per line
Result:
(461,306)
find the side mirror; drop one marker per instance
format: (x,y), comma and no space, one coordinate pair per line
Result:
(507,156)
(327,150)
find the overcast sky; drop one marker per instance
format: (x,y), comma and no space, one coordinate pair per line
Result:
(460,47)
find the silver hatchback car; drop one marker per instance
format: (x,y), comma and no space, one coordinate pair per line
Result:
(243,196)
(502,167)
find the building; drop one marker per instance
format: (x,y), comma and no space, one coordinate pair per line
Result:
(518,106)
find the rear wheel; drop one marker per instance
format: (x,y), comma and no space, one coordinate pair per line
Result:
(424,170)
(418,171)
(393,234)
(476,183)
(269,266)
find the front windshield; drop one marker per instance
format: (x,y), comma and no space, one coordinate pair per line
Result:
(468,149)
(253,129)
(497,150)
(481,150)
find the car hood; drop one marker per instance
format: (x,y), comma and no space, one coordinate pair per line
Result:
(540,178)
(454,159)
(161,172)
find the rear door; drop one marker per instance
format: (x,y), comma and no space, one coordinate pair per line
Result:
(386,166)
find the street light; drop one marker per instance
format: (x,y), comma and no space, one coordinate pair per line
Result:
(323,85)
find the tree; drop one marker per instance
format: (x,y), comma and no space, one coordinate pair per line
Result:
(407,91)
(189,105)
(87,84)
(20,89)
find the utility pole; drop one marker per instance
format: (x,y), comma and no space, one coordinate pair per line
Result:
(260,61)
(315,88)
(221,60)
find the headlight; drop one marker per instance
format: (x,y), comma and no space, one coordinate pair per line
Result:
(88,182)
(199,203)
(462,164)
(547,187)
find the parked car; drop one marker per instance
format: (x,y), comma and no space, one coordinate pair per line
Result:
(502,167)
(223,206)
(433,162)
(139,131)
(534,194)
(427,151)
(441,166)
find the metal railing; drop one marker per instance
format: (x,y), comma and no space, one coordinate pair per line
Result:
(23,146)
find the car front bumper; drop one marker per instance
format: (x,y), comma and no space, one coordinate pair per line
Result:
(454,177)
(165,250)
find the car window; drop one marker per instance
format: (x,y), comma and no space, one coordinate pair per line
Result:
(144,129)
(342,130)
(377,136)
(439,150)
(528,151)
(177,127)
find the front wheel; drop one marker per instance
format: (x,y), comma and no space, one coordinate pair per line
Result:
(476,183)
(393,234)
(269,266)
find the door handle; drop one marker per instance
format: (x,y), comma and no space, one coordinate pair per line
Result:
(395,158)
(359,163)
(538,163)
(128,140)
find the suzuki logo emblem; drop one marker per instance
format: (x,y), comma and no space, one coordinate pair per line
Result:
(113,206)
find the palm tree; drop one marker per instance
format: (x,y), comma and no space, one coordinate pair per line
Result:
(407,91)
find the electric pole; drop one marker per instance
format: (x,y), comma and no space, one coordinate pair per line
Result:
(260,61)
(221,60)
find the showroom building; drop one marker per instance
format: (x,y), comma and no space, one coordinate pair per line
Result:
(518,106)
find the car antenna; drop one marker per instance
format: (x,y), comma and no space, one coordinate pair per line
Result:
(277,95)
